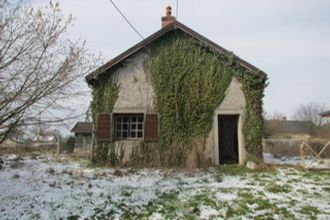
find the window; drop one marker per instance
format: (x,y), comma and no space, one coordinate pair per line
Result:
(128,126)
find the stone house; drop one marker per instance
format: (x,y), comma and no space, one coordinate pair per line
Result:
(180,95)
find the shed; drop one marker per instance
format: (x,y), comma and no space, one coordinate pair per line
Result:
(83,134)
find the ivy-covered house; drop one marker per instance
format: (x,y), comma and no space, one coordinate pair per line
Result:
(177,99)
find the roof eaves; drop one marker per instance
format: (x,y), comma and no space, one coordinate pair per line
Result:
(129,52)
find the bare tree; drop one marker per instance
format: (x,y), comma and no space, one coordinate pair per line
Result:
(311,113)
(39,64)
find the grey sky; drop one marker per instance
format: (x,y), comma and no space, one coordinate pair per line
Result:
(287,39)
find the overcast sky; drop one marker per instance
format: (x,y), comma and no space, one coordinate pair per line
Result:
(287,39)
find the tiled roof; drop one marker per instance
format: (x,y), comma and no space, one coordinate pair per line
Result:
(176,25)
(293,127)
(325,114)
(83,128)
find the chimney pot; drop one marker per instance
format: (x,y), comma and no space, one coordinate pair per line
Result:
(168,11)
(168,18)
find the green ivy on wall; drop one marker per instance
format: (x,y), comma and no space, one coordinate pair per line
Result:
(189,81)
(104,97)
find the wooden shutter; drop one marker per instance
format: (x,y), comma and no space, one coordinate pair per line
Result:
(103,127)
(151,128)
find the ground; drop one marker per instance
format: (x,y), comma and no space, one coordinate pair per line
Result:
(44,187)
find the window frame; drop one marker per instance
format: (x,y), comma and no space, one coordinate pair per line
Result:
(126,125)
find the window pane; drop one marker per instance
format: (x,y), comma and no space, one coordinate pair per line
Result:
(128,126)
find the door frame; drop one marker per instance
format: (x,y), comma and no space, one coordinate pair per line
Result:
(241,147)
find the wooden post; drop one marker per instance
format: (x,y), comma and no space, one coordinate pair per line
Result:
(59,145)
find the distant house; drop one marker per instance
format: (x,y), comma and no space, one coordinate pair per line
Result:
(44,140)
(181,96)
(289,129)
(325,114)
(83,135)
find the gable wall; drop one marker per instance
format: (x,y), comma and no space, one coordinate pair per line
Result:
(136,93)
(233,103)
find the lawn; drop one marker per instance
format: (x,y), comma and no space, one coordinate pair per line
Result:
(43,187)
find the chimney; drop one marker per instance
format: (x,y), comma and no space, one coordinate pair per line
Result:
(168,19)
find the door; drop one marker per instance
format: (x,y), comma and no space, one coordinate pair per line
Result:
(228,139)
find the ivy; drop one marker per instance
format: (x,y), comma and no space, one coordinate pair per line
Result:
(104,97)
(253,87)
(189,80)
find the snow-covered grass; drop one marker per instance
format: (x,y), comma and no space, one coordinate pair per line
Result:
(42,188)
(308,162)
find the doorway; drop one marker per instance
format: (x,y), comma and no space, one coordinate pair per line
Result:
(228,139)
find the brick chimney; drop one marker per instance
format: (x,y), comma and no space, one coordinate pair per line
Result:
(168,19)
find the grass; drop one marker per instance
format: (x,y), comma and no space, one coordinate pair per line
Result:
(228,192)
(275,188)
(311,211)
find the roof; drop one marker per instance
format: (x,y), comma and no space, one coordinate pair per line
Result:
(83,128)
(293,127)
(325,114)
(176,25)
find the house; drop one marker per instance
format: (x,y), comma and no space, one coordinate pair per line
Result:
(289,128)
(44,141)
(83,135)
(177,99)
(325,114)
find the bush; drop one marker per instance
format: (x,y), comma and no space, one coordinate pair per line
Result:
(69,147)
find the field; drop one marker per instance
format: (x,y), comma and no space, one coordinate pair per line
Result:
(45,187)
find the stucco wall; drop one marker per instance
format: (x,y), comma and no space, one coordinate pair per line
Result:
(136,94)
(135,90)
(233,103)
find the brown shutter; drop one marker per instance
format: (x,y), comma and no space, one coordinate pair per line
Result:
(151,129)
(103,127)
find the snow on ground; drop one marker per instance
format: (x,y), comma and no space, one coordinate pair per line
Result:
(308,162)
(43,188)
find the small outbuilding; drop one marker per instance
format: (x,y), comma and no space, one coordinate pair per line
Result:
(177,99)
(83,135)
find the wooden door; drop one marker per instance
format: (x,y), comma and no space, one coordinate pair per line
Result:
(228,139)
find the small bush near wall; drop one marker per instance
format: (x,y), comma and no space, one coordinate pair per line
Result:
(69,147)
